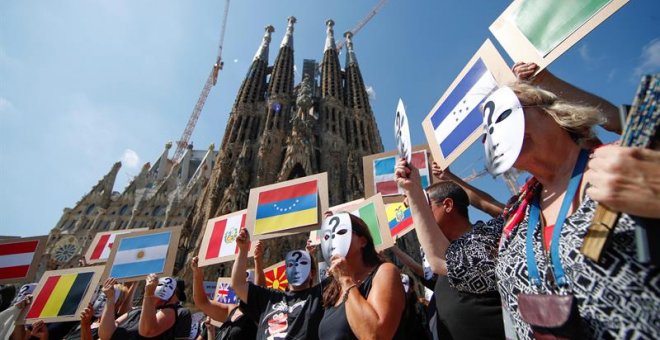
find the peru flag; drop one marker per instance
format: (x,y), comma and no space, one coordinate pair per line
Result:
(219,240)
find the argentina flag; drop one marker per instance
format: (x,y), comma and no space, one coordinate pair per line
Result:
(459,115)
(141,255)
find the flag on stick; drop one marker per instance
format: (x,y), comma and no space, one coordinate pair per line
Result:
(19,258)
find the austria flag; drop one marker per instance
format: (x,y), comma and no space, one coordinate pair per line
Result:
(16,257)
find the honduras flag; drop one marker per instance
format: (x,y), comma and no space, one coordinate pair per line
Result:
(141,255)
(459,115)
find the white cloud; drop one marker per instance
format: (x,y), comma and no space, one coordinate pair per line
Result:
(650,58)
(371,92)
(585,54)
(130,159)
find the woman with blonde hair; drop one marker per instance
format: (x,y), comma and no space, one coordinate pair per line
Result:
(548,287)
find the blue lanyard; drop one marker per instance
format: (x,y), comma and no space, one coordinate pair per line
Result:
(534,215)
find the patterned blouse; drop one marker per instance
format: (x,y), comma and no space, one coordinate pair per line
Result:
(619,298)
(471,258)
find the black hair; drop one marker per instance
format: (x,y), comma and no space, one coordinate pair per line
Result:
(448,189)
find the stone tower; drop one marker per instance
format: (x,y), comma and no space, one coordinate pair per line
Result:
(277,131)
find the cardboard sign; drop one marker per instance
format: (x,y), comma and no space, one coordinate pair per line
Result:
(219,240)
(19,258)
(402,132)
(101,246)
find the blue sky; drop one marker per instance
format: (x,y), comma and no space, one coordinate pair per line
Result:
(84,84)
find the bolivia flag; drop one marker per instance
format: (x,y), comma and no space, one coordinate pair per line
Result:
(60,295)
(223,237)
(276,277)
(141,255)
(398,217)
(15,258)
(287,207)
(368,214)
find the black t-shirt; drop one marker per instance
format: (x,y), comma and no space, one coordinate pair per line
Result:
(75,333)
(129,328)
(284,315)
(454,307)
(241,328)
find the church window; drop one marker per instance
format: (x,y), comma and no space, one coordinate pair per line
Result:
(158,211)
(90,209)
(123,210)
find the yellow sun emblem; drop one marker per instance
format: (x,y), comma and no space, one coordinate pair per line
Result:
(140,254)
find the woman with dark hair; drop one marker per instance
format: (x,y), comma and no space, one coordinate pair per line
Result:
(364,297)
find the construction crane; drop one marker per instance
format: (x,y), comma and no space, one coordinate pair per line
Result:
(363,22)
(182,143)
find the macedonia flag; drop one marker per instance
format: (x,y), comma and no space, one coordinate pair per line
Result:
(60,295)
(276,276)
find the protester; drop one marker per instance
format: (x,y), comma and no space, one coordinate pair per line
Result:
(161,315)
(235,325)
(533,130)
(292,315)
(87,329)
(375,307)
(462,254)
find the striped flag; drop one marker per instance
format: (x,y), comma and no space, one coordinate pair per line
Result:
(276,276)
(368,214)
(384,173)
(141,255)
(17,256)
(459,115)
(101,246)
(219,241)
(399,218)
(60,295)
(287,207)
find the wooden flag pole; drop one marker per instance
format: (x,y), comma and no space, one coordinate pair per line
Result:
(640,131)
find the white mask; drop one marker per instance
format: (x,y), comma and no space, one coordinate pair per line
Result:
(504,130)
(405,280)
(298,267)
(196,319)
(250,275)
(101,300)
(336,234)
(166,288)
(25,290)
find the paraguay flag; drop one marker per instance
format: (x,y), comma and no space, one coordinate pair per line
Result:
(16,258)
(60,295)
(399,218)
(141,255)
(459,115)
(287,207)
(384,173)
(225,294)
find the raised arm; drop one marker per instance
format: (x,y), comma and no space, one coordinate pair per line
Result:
(108,322)
(154,322)
(478,198)
(216,310)
(408,261)
(377,316)
(127,303)
(433,241)
(259,276)
(86,323)
(240,264)
(569,92)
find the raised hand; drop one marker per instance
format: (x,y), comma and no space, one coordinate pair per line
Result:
(258,251)
(39,330)
(109,288)
(440,174)
(194,265)
(243,240)
(524,71)
(406,175)
(150,285)
(86,316)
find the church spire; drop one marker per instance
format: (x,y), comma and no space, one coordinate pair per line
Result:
(288,36)
(331,70)
(262,52)
(350,54)
(330,35)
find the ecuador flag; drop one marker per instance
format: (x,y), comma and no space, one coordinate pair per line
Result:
(60,295)
(287,207)
(398,218)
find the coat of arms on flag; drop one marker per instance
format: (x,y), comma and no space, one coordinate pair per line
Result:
(287,208)
(136,255)
(61,295)
(399,219)
(219,240)
(224,293)
(379,173)
(372,212)
(276,276)
(99,249)
(455,121)
(19,258)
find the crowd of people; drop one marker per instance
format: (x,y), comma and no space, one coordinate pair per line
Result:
(519,275)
